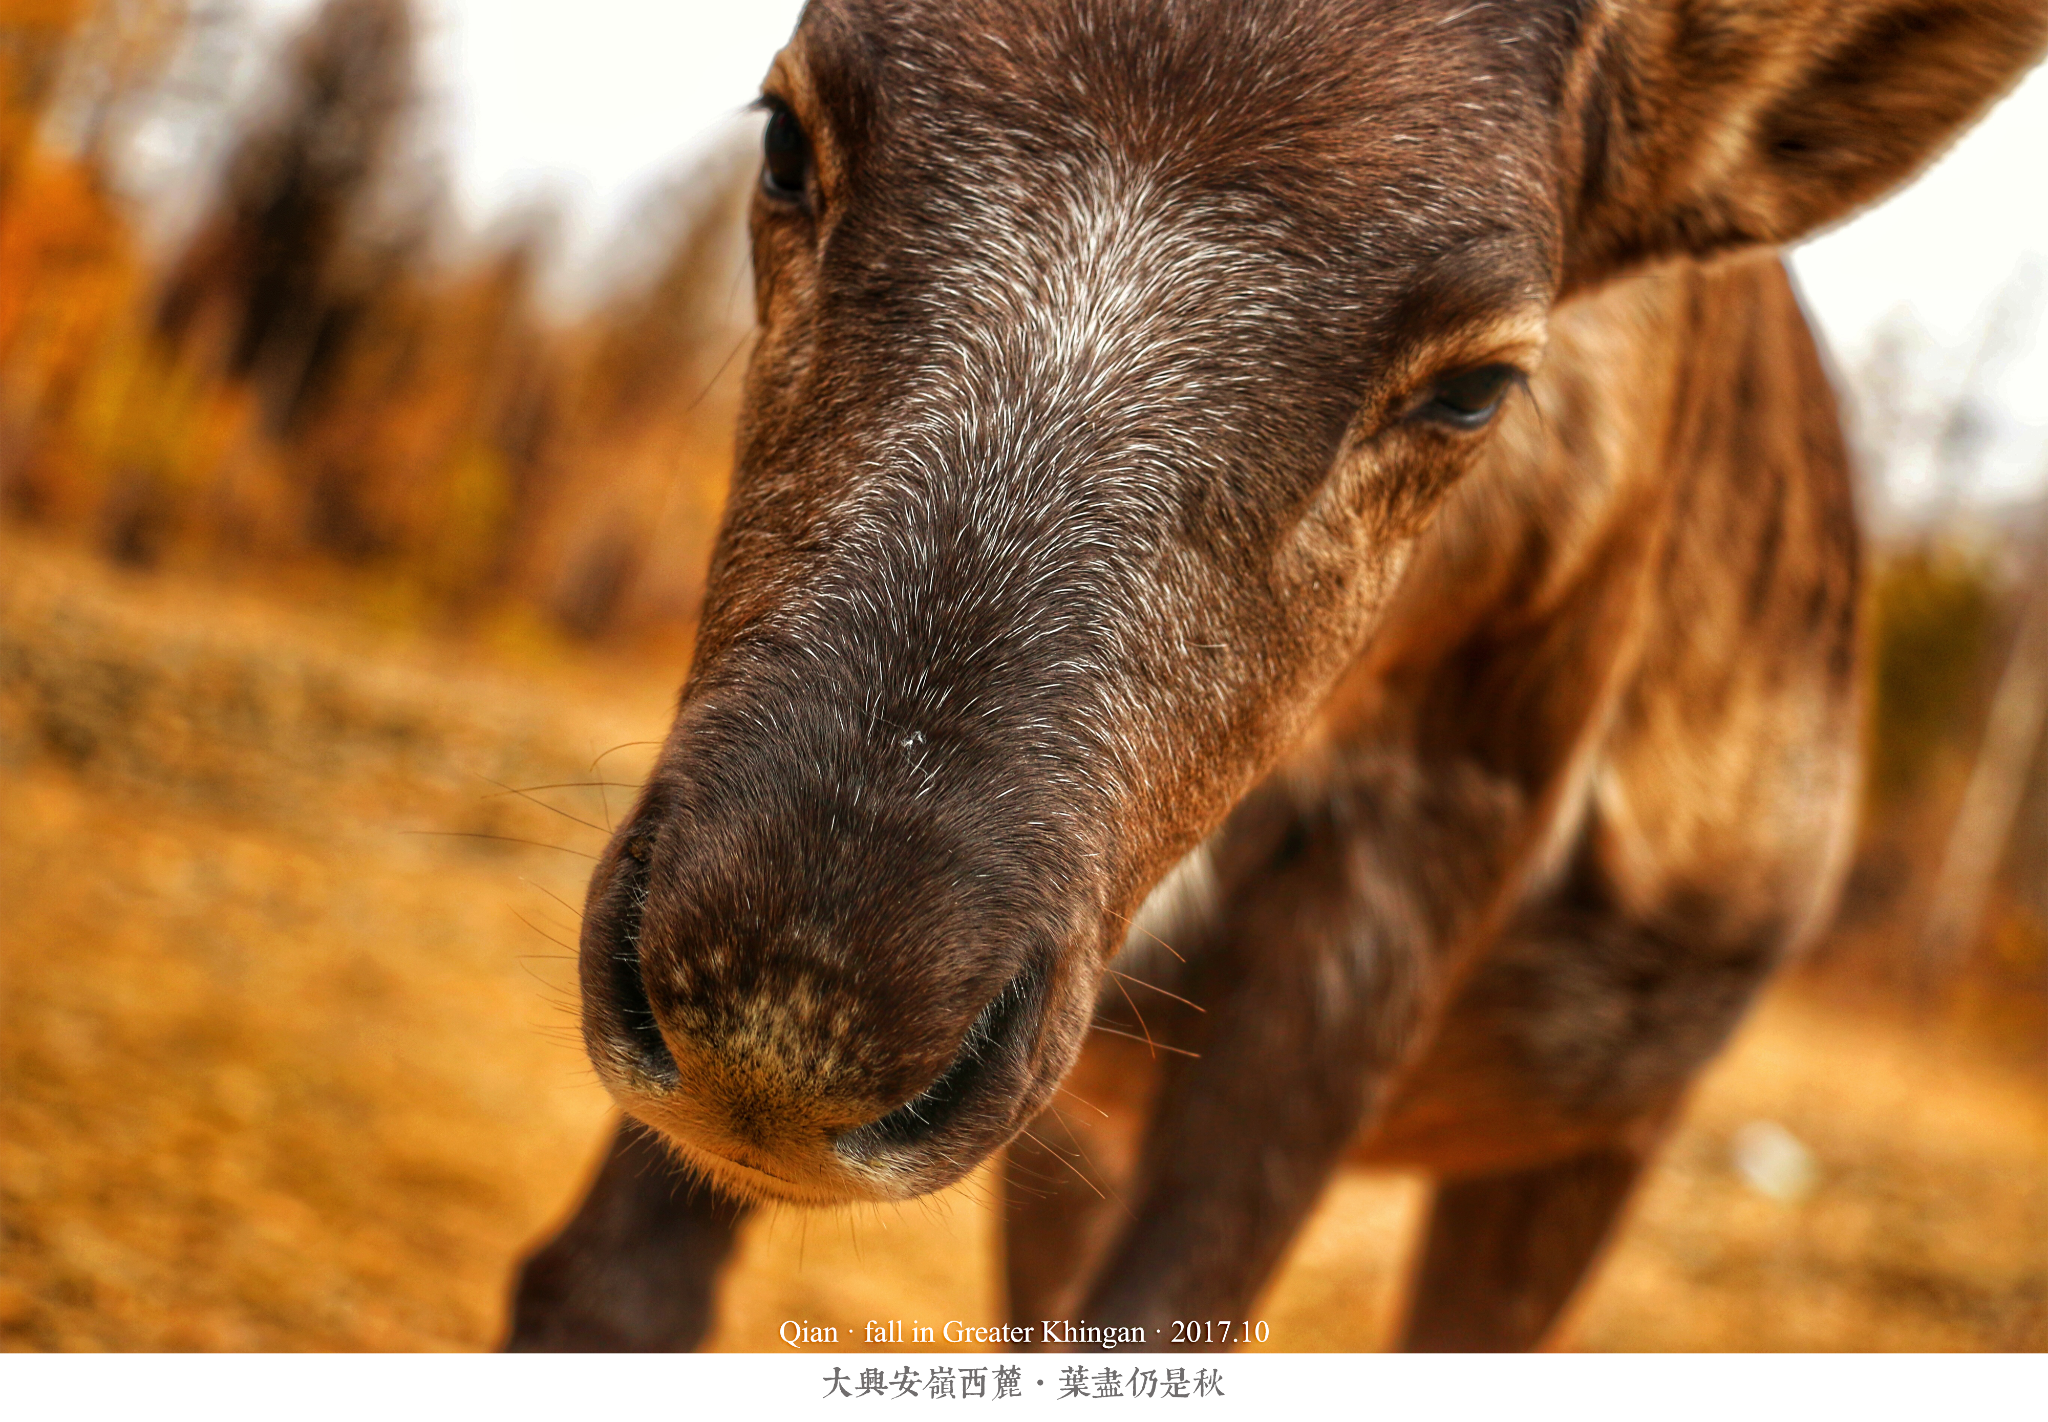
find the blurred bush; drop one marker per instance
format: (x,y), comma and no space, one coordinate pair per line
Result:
(1934,604)
(323,370)
(1947,904)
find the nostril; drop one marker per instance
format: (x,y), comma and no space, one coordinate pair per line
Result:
(988,1041)
(636,1015)
(612,945)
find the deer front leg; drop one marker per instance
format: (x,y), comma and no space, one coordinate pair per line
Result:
(635,1268)
(1504,1252)
(1312,985)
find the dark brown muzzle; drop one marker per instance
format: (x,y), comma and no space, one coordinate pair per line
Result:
(811,957)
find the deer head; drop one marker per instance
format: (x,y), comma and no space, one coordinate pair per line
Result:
(1112,357)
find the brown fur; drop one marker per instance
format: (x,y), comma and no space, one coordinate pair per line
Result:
(1098,503)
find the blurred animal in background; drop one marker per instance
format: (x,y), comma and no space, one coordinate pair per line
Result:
(1290,596)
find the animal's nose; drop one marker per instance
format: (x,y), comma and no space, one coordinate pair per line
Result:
(735,1100)
(750,1056)
(783,1065)
(741,1050)
(805,971)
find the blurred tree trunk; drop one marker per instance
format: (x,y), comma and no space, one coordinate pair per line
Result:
(1984,823)
(266,282)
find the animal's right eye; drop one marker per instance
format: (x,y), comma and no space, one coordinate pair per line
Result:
(785,155)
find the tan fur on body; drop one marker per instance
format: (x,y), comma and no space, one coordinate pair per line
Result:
(1099,502)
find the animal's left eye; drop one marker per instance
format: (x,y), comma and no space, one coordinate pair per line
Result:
(1468,399)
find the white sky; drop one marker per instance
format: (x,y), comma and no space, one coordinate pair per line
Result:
(592,101)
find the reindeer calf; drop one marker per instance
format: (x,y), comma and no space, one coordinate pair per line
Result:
(1309,531)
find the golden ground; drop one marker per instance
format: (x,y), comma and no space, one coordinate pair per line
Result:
(277,1072)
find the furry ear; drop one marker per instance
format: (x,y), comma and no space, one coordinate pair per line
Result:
(1694,126)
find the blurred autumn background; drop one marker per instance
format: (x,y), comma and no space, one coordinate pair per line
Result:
(347,569)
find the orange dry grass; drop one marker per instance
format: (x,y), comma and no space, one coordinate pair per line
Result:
(274,1074)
